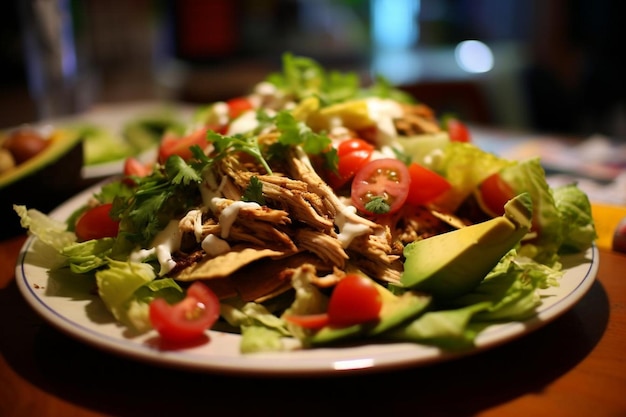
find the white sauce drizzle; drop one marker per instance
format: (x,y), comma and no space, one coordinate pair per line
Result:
(246,122)
(229,215)
(383,111)
(215,246)
(348,230)
(164,243)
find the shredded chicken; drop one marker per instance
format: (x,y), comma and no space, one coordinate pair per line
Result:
(417,119)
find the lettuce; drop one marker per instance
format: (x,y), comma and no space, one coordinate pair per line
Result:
(578,229)
(529,176)
(117,285)
(465,166)
(87,256)
(52,232)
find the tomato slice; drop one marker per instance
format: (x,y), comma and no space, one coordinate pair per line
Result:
(96,223)
(426,185)
(381,186)
(173,145)
(134,168)
(237,106)
(354,300)
(494,194)
(458,131)
(308,321)
(188,319)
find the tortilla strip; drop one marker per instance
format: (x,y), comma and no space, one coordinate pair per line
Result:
(224,265)
(256,281)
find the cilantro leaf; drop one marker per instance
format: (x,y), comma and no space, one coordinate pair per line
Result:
(179,172)
(298,133)
(378,205)
(248,144)
(254,191)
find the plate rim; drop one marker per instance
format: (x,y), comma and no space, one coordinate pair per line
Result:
(369,357)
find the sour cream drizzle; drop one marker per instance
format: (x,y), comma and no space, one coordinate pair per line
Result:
(165,242)
(348,230)
(229,215)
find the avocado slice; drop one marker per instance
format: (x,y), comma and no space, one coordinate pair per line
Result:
(396,309)
(43,181)
(453,263)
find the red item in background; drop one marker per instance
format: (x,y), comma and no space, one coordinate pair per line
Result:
(205,29)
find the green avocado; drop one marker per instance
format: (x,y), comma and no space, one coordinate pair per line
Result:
(42,182)
(453,263)
(396,309)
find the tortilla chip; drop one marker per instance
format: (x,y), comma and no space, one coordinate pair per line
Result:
(258,281)
(224,265)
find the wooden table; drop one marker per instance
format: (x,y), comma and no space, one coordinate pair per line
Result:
(574,366)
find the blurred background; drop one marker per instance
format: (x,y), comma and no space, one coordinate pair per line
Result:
(551,66)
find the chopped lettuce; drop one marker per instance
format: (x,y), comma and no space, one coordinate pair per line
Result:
(529,176)
(87,256)
(260,329)
(465,166)
(50,231)
(117,285)
(511,289)
(578,229)
(444,328)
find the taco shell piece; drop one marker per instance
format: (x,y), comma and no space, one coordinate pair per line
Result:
(224,265)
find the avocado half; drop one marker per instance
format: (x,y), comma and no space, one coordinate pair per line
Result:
(454,263)
(42,182)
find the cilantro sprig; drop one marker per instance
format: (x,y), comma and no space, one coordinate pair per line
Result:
(158,198)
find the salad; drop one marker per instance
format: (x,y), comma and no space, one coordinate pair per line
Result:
(318,210)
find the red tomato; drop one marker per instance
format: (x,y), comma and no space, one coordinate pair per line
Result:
(172,145)
(494,193)
(458,131)
(425,185)
(351,145)
(308,321)
(387,179)
(132,167)
(237,106)
(96,223)
(354,300)
(353,154)
(186,320)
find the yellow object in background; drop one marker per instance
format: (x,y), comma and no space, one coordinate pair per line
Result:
(606,218)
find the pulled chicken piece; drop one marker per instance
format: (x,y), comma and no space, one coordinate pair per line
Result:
(417,119)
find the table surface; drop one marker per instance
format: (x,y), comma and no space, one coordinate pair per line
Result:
(573,366)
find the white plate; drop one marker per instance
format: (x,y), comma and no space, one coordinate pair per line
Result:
(81,314)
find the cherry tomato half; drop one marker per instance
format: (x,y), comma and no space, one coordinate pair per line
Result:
(381,186)
(173,145)
(354,300)
(353,154)
(494,193)
(237,106)
(458,131)
(426,185)
(96,223)
(188,319)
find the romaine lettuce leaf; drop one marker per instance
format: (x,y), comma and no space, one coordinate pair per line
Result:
(117,285)
(465,166)
(529,176)
(50,231)
(578,226)
(87,256)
